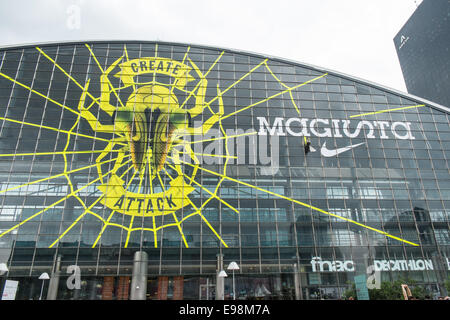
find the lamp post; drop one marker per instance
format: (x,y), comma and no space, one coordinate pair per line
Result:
(3,270)
(233,266)
(220,287)
(43,277)
(223,274)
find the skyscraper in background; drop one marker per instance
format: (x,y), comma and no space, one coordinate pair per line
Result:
(423,48)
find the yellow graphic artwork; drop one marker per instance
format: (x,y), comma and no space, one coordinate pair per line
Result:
(151,136)
(150,124)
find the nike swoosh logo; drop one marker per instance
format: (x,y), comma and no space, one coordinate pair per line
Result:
(331,153)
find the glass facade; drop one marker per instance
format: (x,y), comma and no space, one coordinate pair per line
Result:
(305,178)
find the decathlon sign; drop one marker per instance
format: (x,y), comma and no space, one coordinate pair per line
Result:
(403,265)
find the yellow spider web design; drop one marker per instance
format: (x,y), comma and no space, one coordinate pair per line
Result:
(174,166)
(160,177)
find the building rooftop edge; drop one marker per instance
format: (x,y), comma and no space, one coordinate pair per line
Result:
(259,55)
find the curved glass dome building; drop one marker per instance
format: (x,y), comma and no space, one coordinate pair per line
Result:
(139,170)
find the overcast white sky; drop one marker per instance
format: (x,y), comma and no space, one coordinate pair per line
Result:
(351,36)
